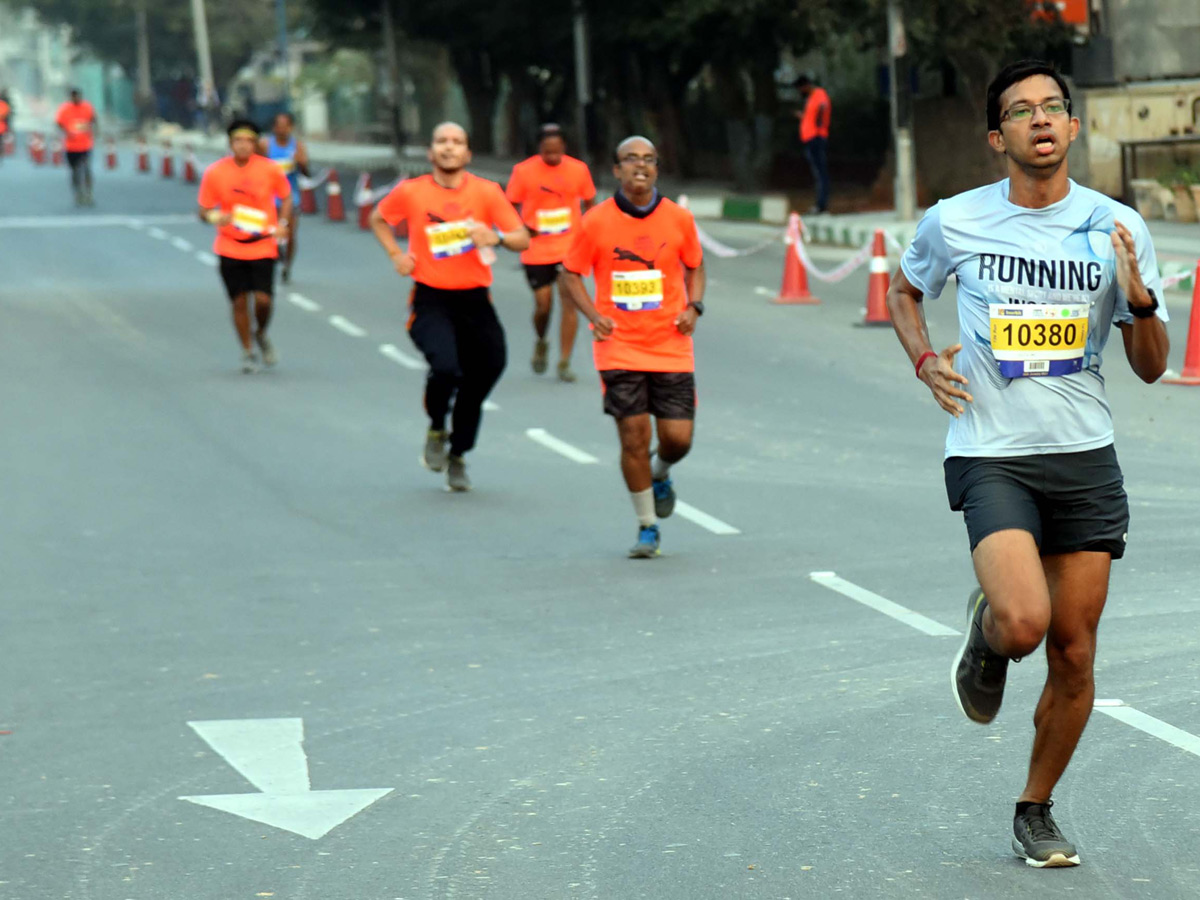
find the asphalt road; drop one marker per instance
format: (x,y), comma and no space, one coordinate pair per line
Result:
(183,544)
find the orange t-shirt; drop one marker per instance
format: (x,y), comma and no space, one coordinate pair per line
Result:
(550,198)
(5,109)
(439,221)
(76,120)
(248,193)
(816,116)
(638,265)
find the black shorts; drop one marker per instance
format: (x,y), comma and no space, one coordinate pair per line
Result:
(542,274)
(78,157)
(241,276)
(665,395)
(1067,501)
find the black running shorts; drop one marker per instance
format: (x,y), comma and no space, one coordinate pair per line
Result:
(542,275)
(1067,501)
(78,157)
(665,395)
(241,276)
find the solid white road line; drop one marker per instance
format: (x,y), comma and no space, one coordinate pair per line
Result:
(180,244)
(548,440)
(205,257)
(346,326)
(703,519)
(882,604)
(157,233)
(1176,737)
(303,302)
(92,221)
(395,354)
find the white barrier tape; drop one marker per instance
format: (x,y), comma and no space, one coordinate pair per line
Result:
(363,196)
(894,243)
(724,251)
(308,184)
(835,274)
(1173,280)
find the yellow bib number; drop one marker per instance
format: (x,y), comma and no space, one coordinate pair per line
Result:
(1038,338)
(554,221)
(637,291)
(449,239)
(249,219)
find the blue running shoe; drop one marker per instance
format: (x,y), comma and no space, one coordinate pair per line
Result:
(647,543)
(664,497)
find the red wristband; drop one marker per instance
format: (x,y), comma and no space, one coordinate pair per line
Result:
(920,362)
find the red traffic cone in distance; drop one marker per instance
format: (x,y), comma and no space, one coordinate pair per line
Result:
(794,288)
(168,161)
(1191,356)
(56,157)
(308,199)
(878,284)
(143,156)
(189,166)
(362,199)
(335,210)
(111,158)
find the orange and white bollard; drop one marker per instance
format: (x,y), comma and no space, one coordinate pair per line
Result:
(111,156)
(308,197)
(335,211)
(189,165)
(56,153)
(878,284)
(1191,358)
(362,200)
(794,288)
(143,163)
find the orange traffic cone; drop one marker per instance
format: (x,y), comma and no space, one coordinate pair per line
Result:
(1191,357)
(794,288)
(877,285)
(168,163)
(111,159)
(362,199)
(56,158)
(37,149)
(189,166)
(143,164)
(308,198)
(334,209)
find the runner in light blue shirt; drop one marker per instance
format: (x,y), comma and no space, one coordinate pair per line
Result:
(289,151)
(1044,269)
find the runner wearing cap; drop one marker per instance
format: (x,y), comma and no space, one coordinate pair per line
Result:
(547,190)
(238,195)
(1044,269)
(289,152)
(452,217)
(77,120)
(645,254)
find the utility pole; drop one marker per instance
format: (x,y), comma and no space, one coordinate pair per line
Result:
(905,189)
(281,23)
(203,54)
(583,88)
(145,98)
(393,66)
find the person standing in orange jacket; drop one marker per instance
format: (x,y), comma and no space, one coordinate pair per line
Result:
(814,136)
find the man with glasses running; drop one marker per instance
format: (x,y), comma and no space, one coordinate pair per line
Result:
(1044,269)
(649,269)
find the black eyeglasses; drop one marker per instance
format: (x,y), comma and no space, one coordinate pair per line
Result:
(1022,112)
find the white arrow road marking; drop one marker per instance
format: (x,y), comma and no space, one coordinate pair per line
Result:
(882,604)
(395,354)
(268,753)
(546,439)
(344,325)
(181,244)
(1176,737)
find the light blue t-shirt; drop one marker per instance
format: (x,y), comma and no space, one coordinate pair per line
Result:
(1001,253)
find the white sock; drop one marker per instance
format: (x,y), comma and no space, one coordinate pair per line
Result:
(660,470)
(643,507)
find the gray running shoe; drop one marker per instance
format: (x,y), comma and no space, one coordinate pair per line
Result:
(664,497)
(1037,840)
(434,456)
(541,355)
(456,475)
(647,543)
(268,350)
(565,373)
(249,362)
(979,673)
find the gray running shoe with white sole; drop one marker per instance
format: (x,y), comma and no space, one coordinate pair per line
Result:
(269,357)
(1037,840)
(456,475)
(541,356)
(979,673)
(249,362)
(435,454)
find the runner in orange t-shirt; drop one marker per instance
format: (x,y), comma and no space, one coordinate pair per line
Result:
(452,219)
(649,268)
(814,136)
(238,194)
(77,120)
(547,190)
(5,110)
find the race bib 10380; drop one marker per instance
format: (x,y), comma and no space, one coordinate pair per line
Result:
(1031,339)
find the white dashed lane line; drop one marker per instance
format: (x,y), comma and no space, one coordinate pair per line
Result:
(543,437)
(157,233)
(303,302)
(205,257)
(345,326)
(181,244)
(882,604)
(396,355)
(703,519)
(1135,718)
